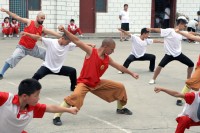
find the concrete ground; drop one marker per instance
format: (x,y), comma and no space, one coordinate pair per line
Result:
(152,113)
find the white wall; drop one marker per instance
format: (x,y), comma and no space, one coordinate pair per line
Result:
(188,7)
(58,12)
(139,13)
(61,11)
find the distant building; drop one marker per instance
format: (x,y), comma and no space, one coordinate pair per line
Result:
(101,15)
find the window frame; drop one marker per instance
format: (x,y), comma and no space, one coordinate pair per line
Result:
(106,7)
(40,7)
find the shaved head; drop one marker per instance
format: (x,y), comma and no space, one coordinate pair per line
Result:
(40,14)
(40,18)
(108,42)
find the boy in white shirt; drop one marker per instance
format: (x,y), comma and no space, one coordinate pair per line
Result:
(190,116)
(16,111)
(56,49)
(139,44)
(172,47)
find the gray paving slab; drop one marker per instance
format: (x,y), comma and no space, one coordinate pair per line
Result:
(152,113)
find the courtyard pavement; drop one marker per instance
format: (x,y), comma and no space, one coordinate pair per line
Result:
(152,113)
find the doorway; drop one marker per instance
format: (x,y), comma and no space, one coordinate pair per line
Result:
(87,16)
(158,13)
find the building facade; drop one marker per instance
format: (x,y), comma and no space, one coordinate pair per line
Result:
(95,16)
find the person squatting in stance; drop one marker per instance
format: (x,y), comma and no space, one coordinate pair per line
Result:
(190,116)
(138,52)
(172,47)
(95,64)
(194,81)
(27,45)
(56,50)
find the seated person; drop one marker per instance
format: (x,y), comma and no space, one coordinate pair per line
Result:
(15,26)
(192,27)
(6,27)
(73,28)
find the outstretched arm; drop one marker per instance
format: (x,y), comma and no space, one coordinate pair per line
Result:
(58,109)
(35,37)
(170,92)
(51,32)
(125,32)
(154,29)
(188,35)
(157,41)
(23,20)
(123,69)
(77,41)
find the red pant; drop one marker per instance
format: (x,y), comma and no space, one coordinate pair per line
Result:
(185,122)
(7,31)
(15,30)
(75,31)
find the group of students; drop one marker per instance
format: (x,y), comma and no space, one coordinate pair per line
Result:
(25,105)
(10,28)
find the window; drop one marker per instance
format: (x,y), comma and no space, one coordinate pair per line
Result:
(34,5)
(101,5)
(19,7)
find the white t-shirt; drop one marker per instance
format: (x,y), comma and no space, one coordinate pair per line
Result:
(139,45)
(167,10)
(192,23)
(172,42)
(192,110)
(124,16)
(55,54)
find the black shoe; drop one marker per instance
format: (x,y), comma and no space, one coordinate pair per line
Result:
(124,111)
(151,70)
(125,39)
(179,103)
(57,121)
(1,76)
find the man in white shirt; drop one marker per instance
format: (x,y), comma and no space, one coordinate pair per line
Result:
(172,47)
(56,49)
(166,17)
(124,18)
(139,44)
(192,25)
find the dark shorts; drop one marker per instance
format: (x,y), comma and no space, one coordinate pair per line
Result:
(181,58)
(125,26)
(191,29)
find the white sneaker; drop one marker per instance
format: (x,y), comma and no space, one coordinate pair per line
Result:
(5,36)
(17,35)
(81,35)
(152,81)
(10,36)
(119,72)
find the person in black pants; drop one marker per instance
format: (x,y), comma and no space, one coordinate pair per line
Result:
(139,44)
(56,49)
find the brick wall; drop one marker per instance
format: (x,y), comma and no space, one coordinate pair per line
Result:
(139,13)
(58,12)
(188,7)
(61,11)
